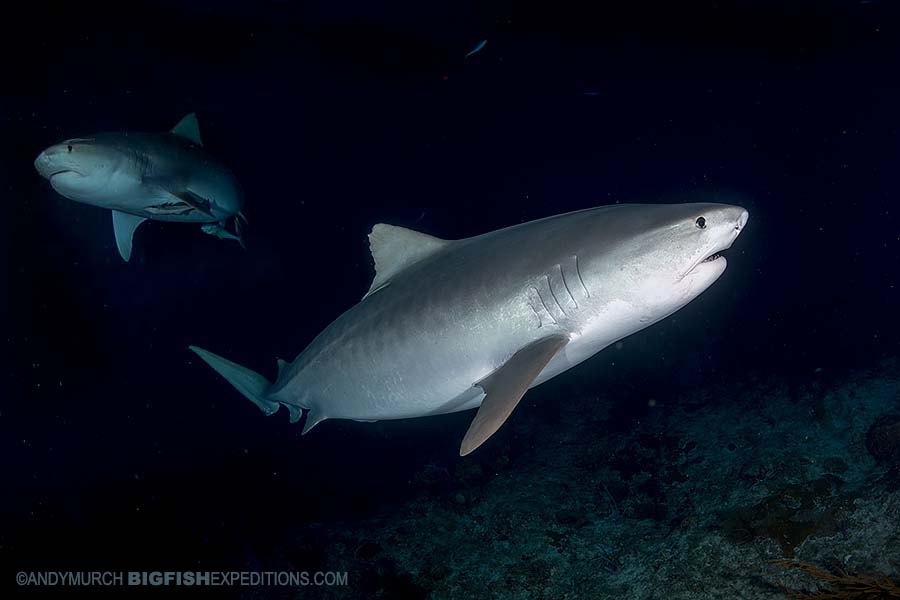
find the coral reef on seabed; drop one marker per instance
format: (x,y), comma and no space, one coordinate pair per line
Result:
(842,585)
(693,501)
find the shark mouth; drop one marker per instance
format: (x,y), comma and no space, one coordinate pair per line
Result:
(63,172)
(716,256)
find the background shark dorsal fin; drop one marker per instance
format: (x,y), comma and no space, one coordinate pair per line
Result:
(124,225)
(396,248)
(189,129)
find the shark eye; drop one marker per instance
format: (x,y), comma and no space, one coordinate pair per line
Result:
(69,147)
(701,222)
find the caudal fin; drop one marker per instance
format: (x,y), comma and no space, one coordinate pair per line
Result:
(252,385)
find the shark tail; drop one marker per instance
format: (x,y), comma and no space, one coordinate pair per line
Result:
(251,384)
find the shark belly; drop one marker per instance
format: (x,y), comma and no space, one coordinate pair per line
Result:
(381,376)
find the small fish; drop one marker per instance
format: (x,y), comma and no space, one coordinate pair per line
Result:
(478,47)
(221,233)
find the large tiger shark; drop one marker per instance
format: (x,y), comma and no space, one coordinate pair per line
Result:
(138,176)
(450,325)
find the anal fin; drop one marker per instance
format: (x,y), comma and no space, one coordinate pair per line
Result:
(505,387)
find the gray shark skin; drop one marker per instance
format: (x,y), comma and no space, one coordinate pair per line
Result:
(453,325)
(139,176)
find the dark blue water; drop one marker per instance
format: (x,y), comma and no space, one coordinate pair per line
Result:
(119,450)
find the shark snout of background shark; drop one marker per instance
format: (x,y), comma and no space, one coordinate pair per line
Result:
(78,155)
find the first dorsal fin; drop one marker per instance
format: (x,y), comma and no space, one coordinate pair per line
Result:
(396,248)
(189,129)
(281,365)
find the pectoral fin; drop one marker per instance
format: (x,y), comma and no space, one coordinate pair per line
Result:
(124,225)
(506,386)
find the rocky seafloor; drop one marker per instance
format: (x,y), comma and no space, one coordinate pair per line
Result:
(695,499)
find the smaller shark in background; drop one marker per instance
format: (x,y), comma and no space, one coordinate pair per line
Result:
(139,176)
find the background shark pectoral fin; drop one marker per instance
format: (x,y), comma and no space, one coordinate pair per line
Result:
(124,225)
(506,386)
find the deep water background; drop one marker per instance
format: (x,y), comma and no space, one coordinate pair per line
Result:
(119,450)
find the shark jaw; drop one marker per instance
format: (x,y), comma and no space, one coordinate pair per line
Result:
(714,258)
(63,172)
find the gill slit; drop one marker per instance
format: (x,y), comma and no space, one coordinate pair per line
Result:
(566,285)
(555,299)
(544,304)
(534,310)
(580,278)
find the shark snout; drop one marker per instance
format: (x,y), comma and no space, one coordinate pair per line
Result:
(50,162)
(57,159)
(739,217)
(43,164)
